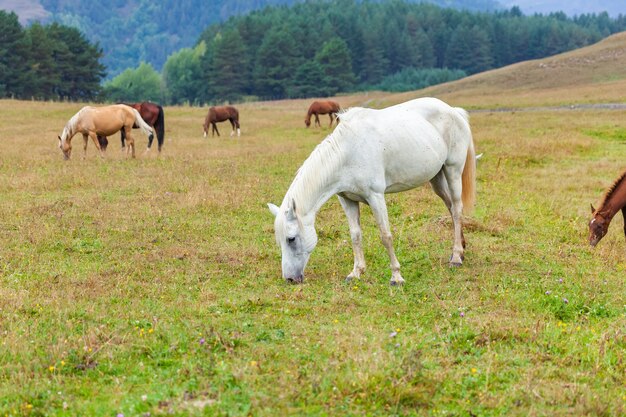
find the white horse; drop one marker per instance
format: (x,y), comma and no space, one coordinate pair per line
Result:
(370,153)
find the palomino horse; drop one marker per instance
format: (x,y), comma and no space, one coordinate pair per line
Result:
(614,200)
(102,121)
(370,153)
(152,114)
(218,114)
(329,107)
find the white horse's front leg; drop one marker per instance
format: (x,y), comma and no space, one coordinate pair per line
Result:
(354,221)
(379,208)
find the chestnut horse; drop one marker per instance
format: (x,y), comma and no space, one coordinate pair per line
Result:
(102,121)
(218,114)
(152,114)
(328,107)
(614,200)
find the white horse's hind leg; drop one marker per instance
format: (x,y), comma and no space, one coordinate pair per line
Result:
(354,221)
(440,187)
(453,178)
(379,208)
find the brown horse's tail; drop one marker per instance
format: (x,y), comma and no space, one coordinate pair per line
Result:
(468,178)
(159,126)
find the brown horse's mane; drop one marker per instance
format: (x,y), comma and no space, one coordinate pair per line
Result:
(609,193)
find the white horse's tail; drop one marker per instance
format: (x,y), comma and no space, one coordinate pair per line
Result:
(145,127)
(468,178)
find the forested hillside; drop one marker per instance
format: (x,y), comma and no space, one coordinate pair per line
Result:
(132,31)
(47,62)
(310,50)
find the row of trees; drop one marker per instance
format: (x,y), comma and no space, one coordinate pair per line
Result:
(47,62)
(300,51)
(308,50)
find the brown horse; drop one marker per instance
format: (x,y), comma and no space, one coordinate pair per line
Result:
(218,114)
(328,107)
(102,121)
(614,200)
(152,114)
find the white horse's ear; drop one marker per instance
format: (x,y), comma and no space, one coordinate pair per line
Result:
(273,209)
(291,214)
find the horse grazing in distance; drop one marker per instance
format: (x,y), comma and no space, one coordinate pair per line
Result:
(329,107)
(614,200)
(152,114)
(102,121)
(371,153)
(218,114)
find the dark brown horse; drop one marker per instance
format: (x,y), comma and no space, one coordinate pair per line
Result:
(614,200)
(152,114)
(328,107)
(218,114)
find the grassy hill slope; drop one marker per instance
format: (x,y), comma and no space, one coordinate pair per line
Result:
(593,74)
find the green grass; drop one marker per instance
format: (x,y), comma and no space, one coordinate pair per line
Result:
(153,285)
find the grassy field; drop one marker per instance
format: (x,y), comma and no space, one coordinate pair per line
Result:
(152,286)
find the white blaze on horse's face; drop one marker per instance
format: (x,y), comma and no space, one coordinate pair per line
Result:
(297,239)
(597,229)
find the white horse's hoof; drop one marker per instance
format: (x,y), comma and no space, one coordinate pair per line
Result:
(398,282)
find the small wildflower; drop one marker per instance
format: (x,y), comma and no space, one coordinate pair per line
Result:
(144,397)
(548,292)
(560,280)
(462,314)
(253,363)
(151,330)
(565,300)
(51,368)
(474,370)
(397,345)
(393,334)
(62,363)
(120,415)
(335,321)
(202,341)
(29,406)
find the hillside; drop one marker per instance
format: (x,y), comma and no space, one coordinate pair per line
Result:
(142,30)
(593,74)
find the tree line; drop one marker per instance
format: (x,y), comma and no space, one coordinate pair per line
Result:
(314,48)
(325,48)
(47,62)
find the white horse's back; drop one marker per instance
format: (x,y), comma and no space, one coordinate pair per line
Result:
(409,142)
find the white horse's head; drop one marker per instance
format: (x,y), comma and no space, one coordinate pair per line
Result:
(296,237)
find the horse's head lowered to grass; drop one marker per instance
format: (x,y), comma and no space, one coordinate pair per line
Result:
(296,237)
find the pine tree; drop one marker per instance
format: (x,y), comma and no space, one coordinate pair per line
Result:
(15,73)
(229,70)
(276,62)
(42,64)
(334,58)
(309,81)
